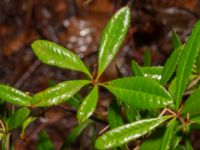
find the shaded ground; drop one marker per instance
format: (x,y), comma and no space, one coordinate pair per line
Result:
(77,25)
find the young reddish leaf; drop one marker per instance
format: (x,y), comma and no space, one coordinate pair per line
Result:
(14,96)
(186,61)
(56,55)
(59,93)
(140,92)
(127,133)
(112,38)
(88,105)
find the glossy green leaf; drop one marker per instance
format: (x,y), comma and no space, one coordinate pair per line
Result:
(186,61)
(166,140)
(114,118)
(75,101)
(127,133)
(198,63)
(176,40)
(177,137)
(135,68)
(25,124)
(188,144)
(196,120)
(112,38)
(53,54)
(147,58)
(172,88)
(88,105)
(170,66)
(153,72)
(75,133)
(18,118)
(59,93)
(44,142)
(192,104)
(153,142)
(14,96)
(132,113)
(140,92)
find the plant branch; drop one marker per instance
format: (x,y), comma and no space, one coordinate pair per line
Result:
(96,116)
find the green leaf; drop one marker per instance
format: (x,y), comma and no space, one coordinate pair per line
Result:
(112,38)
(53,54)
(135,68)
(192,104)
(196,120)
(172,88)
(127,133)
(132,113)
(18,118)
(166,140)
(147,58)
(114,118)
(186,61)
(140,92)
(153,72)
(88,105)
(14,96)
(44,142)
(75,133)
(176,40)
(170,66)
(25,124)
(188,144)
(59,93)
(153,142)
(75,101)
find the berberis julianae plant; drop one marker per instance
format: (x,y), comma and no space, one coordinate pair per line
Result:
(157,106)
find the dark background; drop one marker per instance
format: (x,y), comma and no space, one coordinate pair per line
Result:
(77,25)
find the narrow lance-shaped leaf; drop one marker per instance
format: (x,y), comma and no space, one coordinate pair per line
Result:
(170,66)
(114,118)
(140,92)
(112,38)
(196,120)
(166,140)
(44,142)
(56,55)
(136,70)
(127,133)
(25,124)
(75,133)
(153,142)
(153,72)
(186,61)
(88,105)
(192,104)
(59,93)
(147,58)
(14,96)
(18,118)
(176,40)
